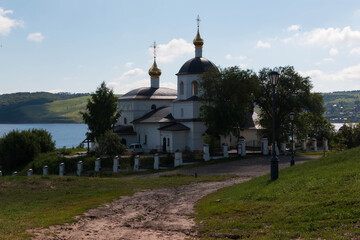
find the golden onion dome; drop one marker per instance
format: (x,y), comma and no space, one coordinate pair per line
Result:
(198,41)
(154,71)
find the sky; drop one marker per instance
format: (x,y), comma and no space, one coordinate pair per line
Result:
(74,45)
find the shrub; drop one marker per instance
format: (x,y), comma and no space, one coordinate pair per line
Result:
(19,148)
(110,144)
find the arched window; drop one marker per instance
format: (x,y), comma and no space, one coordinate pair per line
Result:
(125,121)
(181,88)
(153,107)
(195,88)
(182,112)
(145,142)
(168,142)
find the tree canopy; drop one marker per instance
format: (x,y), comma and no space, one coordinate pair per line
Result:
(101,112)
(293,94)
(228,94)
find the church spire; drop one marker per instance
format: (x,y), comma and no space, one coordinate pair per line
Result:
(198,41)
(154,71)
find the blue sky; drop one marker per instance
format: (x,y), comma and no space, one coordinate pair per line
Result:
(74,45)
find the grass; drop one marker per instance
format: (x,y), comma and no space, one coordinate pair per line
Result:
(40,201)
(315,200)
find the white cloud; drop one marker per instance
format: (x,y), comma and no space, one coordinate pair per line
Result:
(55,91)
(35,37)
(294,28)
(355,51)
(168,85)
(331,36)
(129,64)
(172,50)
(129,80)
(6,23)
(242,66)
(230,57)
(261,44)
(133,73)
(325,60)
(333,51)
(348,78)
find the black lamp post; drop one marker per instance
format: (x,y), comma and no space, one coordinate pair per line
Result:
(274,162)
(292,116)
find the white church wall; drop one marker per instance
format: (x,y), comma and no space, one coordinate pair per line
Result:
(251,137)
(148,136)
(187,81)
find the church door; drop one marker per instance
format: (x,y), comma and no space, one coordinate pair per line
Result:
(164,145)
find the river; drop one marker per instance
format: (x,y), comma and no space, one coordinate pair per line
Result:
(65,135)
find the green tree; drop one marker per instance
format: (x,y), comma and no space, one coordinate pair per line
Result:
(227,95)
(101,111)
(19,148)
(110,144)
(293,94)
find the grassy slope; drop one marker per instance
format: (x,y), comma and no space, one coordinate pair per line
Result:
(56,111)
(30,202)
(315,200)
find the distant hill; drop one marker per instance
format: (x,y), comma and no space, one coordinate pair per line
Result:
(42,107)
(342,106)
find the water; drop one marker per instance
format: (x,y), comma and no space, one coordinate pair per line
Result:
(65,135)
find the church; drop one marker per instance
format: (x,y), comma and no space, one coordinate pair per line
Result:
(164,119)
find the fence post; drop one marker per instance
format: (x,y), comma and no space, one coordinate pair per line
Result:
(61,169)
(116,164)
(29,172)
(14,174)
(97,164)
(79,168)
(314,144)
(326,146)
(283,147)
(136,162)
(45,170)
(1,174)
(206,155)
(178,159)
(225,149)
(303,145)
(243,147)
(264,146)
(156,161)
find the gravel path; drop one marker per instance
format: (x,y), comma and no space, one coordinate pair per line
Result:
(162,213)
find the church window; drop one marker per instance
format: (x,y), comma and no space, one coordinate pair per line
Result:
(145,142)
(125,121)
(153,107)
(168,142)
(182,112)
(181,88)
(195,88)
(139,138)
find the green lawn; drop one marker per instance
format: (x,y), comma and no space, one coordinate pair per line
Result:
(30,202)
(319,199)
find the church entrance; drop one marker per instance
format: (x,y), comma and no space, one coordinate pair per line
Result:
(164,145)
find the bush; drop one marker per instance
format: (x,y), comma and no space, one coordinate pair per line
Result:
(110,144)
(19,148)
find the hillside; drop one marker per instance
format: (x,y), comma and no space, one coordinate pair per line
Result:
(342,106)
(42,107)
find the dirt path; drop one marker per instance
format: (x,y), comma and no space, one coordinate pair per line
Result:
(157,214)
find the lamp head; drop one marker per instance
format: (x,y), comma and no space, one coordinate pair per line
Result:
(292,116)
(273,77)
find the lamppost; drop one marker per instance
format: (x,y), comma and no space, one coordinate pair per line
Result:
(274,162)
(292,116)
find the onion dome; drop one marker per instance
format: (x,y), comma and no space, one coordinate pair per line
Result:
(154,71)
(198,41)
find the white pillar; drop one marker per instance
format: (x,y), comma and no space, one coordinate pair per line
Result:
(156,161)
(243,147)
(206,154)
(326,146)
(314,144)
(97,164)
(45,170)
(294,145)
(136,162)
(1,174)
(178,159)
(79,168)
(61,169)
(276,149)
(14,174)
(283,147)
(29,172)
(264,146)
(116,164)
(225,149)
(303,145)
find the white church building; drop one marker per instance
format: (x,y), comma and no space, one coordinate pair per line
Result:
(165,119)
